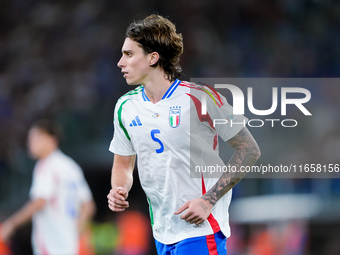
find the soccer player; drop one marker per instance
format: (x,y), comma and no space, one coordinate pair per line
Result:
(161,122)
(61,202)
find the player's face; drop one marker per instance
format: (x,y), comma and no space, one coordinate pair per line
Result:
(134,63)
(37,141)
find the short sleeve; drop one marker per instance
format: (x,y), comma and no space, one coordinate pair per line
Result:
(121,142)
(43,185)
(226,124)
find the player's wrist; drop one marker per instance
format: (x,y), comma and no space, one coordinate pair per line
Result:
(206,202)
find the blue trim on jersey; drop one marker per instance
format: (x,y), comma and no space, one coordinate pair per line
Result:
(171,90)
(144,96)
(167,94)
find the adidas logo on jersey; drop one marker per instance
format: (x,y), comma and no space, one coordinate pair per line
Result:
(136,122)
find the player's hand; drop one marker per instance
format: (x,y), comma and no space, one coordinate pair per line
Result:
(117,199)
(196,211)
(6,231)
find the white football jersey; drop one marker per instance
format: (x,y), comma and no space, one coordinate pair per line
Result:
(60,181)
(171,139)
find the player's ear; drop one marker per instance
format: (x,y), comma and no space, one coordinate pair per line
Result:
(154,57)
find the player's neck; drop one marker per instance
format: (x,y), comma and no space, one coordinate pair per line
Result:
(48,151)
(156,87)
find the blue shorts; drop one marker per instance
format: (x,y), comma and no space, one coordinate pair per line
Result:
(203,245)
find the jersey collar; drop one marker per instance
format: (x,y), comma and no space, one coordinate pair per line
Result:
(167,94)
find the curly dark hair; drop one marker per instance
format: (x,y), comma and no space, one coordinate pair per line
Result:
(158,34)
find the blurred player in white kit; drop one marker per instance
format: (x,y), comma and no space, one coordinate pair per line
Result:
(61,202)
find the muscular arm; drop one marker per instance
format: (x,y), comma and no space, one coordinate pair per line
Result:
(121,182)
(21,217)
(122,171)
(246,154)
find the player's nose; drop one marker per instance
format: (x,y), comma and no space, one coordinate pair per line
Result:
(120,63)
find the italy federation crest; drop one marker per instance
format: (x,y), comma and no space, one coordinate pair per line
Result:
(175,116)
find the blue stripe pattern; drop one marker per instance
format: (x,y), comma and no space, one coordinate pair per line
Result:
(144,96)
(138,121)
(171,90)
(167,94)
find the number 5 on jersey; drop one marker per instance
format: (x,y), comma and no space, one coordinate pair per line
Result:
(153,132)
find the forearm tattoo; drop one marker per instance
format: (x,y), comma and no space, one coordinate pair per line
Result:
(246,154)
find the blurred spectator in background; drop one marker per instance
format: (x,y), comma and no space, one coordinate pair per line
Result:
(104,236)
(279,238)
(60,203)
(134,234)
